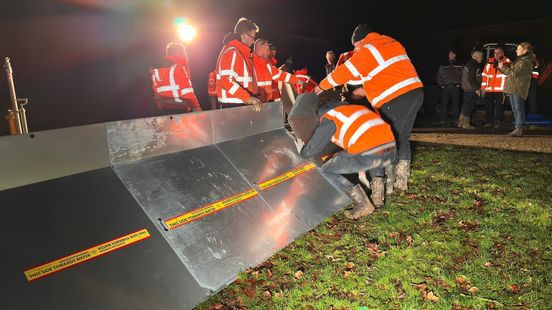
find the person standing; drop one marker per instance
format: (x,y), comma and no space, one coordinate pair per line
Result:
(172,84)
(391,85)
(235,83)
(517,85)
(449,78)
(330,62)
(492,86)
(471,84)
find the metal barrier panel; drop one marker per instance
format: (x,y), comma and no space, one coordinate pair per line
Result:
(236,123)
(300,202)
(133,140)
(45,155)
(57,219)
(213,248)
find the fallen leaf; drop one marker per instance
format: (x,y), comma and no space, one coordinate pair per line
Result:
(298,274)
(309,307)
(277,295)
(488,264)
(409,240)
(250,291)
(514,288)
(217,306)
(269,273)
(350,266)
(255,273)
(432,297)
(473,290)
(267,294)
(400,290)
(461,280)
(346,274)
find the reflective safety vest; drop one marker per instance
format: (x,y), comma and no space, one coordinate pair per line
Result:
(173,82)
(234,72)
(342,59)
(382,64)
(359,130)
(493,80)
(310,84)
(212,84)
(266,75)
(535,73)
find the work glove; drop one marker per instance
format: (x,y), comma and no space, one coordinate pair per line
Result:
(299,144)
(257,104)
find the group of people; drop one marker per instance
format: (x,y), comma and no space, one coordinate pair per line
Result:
(245,74)
(373,138)
(497,79)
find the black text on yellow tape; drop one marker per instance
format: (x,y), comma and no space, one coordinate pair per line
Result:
(286,176)
(85,255)
(209,209)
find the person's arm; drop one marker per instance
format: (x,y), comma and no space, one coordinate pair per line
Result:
(472,76)
(280,75)
(320,139)
(228,76)
(361,63)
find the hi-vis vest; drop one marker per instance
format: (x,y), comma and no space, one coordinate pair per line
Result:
(382,64)
(266,74)
(310,84)
(359,130)
(535,74)
(234,73)
(493,79)
(172,82)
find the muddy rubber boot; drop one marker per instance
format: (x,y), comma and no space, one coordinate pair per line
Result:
(403,172)
(465,122)
(378,192)
(390,179)
(363,205)
(518,132)
(461,121)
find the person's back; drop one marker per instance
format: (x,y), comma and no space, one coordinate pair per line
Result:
(172,84)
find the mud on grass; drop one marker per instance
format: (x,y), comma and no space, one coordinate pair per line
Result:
(473,232)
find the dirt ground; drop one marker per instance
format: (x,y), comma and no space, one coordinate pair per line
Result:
(537,140)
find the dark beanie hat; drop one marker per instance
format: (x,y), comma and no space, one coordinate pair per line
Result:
(361,31)
(245,25)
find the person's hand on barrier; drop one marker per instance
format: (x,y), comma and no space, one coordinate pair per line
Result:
(257,104)
(299,144)
(480,93)
(358,93)
(302,83)
(318,90)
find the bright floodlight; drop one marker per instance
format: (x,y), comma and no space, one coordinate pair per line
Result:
(186,32)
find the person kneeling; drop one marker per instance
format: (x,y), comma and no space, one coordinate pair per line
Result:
(366,140)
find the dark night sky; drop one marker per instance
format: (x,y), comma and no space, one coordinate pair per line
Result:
(86,61)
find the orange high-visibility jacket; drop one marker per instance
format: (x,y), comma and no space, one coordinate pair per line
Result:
(212,84)
(304,76)
(235,80)
(174,82)
(535,74)
(342,59)
(359,130)
(493,79)
(266,74)
(381,62)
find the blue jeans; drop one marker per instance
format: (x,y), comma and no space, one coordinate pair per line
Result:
(345,163)
(518,109)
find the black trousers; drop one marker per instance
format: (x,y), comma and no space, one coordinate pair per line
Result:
(494,107)
(470,99)
(401,113)
(450,94)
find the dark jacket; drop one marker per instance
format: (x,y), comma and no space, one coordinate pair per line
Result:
(450,74)
(471,76)
(322,136)
(329,68)
(519,75)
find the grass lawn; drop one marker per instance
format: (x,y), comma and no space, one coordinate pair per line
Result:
(473,232)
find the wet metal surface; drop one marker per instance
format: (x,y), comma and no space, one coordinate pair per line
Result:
(45,155)
(216,247)
(137,139)
(48,220)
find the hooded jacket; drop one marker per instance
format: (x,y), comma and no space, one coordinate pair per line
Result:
(519,75)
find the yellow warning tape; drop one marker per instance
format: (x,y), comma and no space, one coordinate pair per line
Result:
(209,209)
(286,176)
(85,255)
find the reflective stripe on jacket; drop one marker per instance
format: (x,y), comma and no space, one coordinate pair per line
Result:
(234,73)
(359,130)
(381,62)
